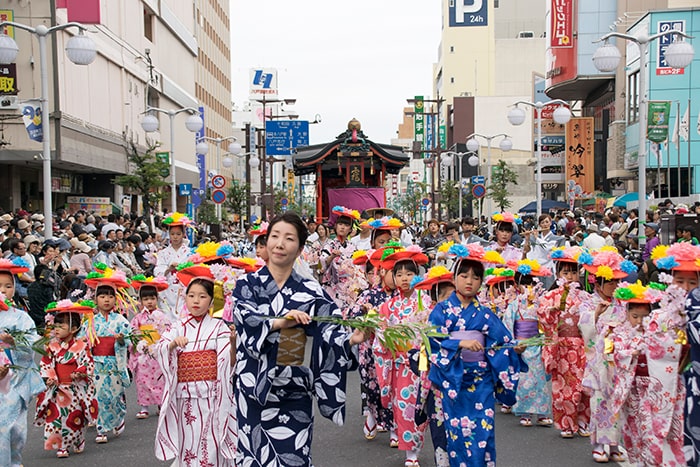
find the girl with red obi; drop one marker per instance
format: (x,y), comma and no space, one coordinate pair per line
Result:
(68,405)
(109,351)
(197,420)
(565,358)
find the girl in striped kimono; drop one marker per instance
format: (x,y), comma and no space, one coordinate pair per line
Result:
(197,424)
(274,389)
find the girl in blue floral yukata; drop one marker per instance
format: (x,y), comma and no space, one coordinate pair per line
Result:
(473,364)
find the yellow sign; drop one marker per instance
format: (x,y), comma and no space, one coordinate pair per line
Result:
(7,15)
(290,183)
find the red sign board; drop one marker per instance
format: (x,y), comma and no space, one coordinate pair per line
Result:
(562,26)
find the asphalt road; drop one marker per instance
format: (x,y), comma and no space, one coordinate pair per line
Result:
(332,445)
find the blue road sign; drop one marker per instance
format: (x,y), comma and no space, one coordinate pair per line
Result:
(479,190)
(218,196)
(478,179)
(284,201)
(185,189)
(425,202)
(283,136)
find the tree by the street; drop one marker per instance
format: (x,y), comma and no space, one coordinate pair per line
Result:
(237,198)
(501,179)
(409,202)
(145,177)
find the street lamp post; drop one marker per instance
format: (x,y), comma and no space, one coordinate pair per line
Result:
(679,54)
(194,123)
(81,50)
(448,159)
(234,148)
(561,115)
(473,145)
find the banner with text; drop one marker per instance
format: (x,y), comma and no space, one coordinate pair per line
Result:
(418,121)
(657,121)
(580,154)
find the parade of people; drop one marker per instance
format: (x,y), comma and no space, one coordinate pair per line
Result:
(485,253)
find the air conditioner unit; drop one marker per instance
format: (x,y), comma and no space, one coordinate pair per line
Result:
(526,34)
(8,102)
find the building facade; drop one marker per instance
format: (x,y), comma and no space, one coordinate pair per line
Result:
(149,53)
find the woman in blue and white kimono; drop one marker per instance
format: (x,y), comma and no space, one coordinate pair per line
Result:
(274,390)
(473,364)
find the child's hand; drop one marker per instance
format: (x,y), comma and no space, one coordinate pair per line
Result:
(519,349)
(77,376)
(471,344)
(179,341)
(51,383)
(4,370)
(602,306)
(7,339)
(119,338)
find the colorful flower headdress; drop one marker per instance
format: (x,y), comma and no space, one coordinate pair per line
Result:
(188,271)
(246,264)
(444,247)
(681,256)
(83,307)
(566,254)
(530,267)
(140,280)
(259,229)
(15,266)
(341,211)
(177,218)
(435,275)
(496,275)
(210,251)
(412,253)
(385,223)
(390,247)
(360,257)
(475,252)
(606,263)
(638,293)
(104,275)
(506,216)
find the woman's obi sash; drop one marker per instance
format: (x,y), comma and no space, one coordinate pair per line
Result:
(292,345)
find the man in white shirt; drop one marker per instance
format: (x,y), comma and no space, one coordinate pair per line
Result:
(593,241)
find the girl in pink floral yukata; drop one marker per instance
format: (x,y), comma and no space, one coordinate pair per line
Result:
(649,391)
(150,323)
(399,385)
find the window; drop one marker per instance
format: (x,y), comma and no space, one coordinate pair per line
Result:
(633,97)
(452,48)
(452,80)
(495,3)
(148,22)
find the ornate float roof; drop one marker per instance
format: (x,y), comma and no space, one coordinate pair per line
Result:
(353,145)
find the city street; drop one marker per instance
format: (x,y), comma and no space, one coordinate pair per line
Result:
(333,445)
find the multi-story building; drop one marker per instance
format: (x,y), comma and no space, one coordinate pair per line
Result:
(149,53)
(488,57)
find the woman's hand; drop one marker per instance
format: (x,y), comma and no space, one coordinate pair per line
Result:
(291,319)
(471,344)
(358,337)
(4,370)
(179,341)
